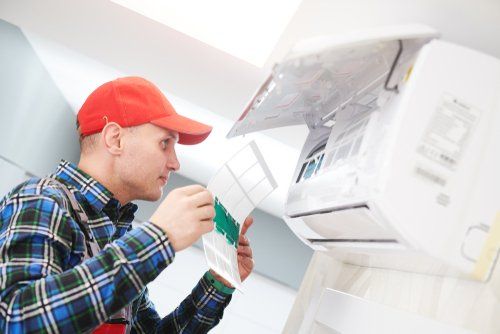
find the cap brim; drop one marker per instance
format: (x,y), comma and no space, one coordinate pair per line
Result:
(190,131)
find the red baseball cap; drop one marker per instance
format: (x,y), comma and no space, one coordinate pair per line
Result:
(132,101)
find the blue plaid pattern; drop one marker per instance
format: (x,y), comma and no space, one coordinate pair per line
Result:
(46,287)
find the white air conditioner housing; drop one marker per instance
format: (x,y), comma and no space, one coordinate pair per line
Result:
(403,153)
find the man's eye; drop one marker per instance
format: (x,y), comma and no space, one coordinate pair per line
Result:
(164,144)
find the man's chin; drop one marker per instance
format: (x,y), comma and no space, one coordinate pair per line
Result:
(153,196)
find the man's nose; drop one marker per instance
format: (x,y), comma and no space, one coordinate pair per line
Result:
(173,163)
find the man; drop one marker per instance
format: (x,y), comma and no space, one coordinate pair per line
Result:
(70,261)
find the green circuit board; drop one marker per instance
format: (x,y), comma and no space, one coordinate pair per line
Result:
(225,224)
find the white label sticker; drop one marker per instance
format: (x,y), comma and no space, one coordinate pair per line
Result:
(448,131)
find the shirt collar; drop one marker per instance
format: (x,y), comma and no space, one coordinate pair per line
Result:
(118,213)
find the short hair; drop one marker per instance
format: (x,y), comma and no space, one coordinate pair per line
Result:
(89,143)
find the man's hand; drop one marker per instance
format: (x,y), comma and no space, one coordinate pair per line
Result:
(185,214)
(245,256)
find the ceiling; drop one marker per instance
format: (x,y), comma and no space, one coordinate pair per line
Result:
(212,79)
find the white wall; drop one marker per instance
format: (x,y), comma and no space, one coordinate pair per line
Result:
(263,308)
(11,176)
(37,127)
(475,24)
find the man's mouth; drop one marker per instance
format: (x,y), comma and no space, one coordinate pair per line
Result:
(164,179)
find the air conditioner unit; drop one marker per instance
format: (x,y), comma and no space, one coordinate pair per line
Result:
(403,149)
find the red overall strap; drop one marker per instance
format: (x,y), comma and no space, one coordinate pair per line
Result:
(118,323)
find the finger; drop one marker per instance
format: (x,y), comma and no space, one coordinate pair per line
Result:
(206,212)
(246,262)
(206,226)
(246,224)
(245,251)
(192,189)
(202,198)
(243,240)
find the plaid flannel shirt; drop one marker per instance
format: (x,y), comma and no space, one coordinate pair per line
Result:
(45,287)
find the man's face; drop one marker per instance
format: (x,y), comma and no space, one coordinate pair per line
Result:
(147,160)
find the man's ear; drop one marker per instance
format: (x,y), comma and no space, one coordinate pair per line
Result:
(111,136)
